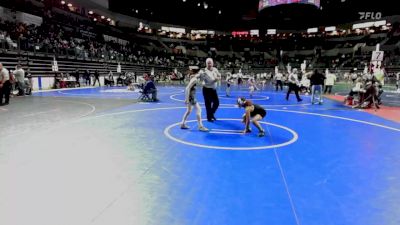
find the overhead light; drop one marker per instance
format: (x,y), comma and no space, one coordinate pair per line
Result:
(137,11)
(90,12)
(69,5)
(312,30)
(108,19)
(330,29)
(198,4)
(183,0)
(219,12)
(94,19)
(205,5)
(103,17)
(62,2)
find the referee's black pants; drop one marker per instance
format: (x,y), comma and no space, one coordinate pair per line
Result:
(279,84)
(211,101)
(295,88)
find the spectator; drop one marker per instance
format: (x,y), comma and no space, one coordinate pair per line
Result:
(317,82)
(110,79)
(278,79)
(293,85)
(329,82)
(87,77)
(19,74)
(76,75)
(149,87)
(96,77)
(5,85)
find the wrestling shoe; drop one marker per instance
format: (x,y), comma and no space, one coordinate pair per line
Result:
(203,129)
(184,127)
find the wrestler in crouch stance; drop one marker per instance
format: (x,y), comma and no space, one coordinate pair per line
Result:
(254,113)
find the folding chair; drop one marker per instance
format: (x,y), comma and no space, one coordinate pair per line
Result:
(144,96)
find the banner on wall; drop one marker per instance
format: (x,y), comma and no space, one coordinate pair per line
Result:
(54,66)
(29,19)
(119,69)
(7,14)
(117,40)
(87,33)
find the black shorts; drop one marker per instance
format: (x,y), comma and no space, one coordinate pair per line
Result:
(262,113)
(192,100)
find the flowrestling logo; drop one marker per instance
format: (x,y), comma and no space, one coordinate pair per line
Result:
(370,15)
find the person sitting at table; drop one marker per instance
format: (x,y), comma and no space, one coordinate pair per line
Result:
(109,80)
(149,87)
(121,78)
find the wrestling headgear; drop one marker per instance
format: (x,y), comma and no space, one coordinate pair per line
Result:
(241,101)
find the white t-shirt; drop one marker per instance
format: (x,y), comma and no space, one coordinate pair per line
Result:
(19,75)
(278,76)
(4,74)
(330,79)
(305,83)
(209,77)
(380,75)
(293,78)
(357,87)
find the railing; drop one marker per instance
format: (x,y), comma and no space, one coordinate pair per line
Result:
(102,62)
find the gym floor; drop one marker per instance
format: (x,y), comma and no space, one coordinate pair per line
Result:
(97,156)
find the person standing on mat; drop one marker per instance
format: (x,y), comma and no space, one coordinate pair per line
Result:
(294,84)
(190,100)
(278,80)
(86,75)
(229,83)
(210,77)
(96,77)
(76,75)
(329,82)
(317,82)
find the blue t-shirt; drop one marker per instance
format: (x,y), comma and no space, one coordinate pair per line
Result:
(149,86)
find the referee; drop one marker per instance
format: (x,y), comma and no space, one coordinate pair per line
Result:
(210,77)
